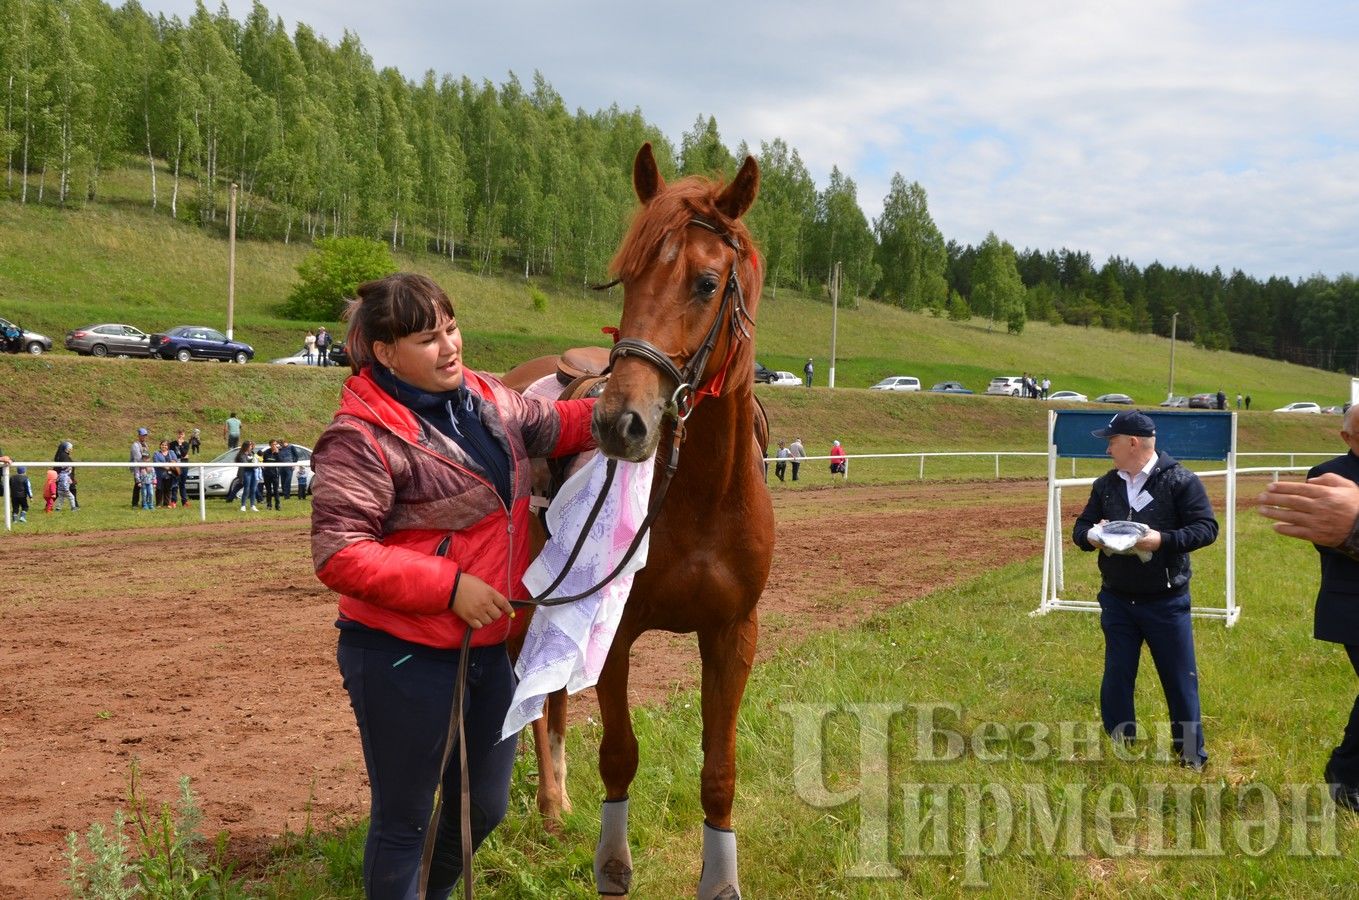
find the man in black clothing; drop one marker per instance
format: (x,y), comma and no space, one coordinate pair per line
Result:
(1337,614)
(1148,600)
(287,454)
(323,345)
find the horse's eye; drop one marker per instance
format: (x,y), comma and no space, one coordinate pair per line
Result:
(705,285)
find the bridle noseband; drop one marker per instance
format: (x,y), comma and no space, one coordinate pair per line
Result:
(686,394)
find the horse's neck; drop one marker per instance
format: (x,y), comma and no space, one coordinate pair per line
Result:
(718,443)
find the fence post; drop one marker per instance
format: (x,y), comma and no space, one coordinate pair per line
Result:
(4,473)
(202,496)
(997,467)
(922,467)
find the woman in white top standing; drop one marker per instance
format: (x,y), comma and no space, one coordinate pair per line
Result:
(309,344)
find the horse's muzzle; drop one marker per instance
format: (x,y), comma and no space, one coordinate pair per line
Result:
(628,434)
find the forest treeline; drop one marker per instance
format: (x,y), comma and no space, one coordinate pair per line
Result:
(505,177)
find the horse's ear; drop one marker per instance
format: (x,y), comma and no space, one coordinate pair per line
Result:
(740,194)
(646,177)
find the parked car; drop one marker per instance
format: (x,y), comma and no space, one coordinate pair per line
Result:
(1203,401)
(300,358)
(1009,385)
(950,387)
(1333,410)
(220,476)
(1175,402)
(1300,407)
(1068,396)
(897,383)
(28,342)
(1114,398)
(785,379)
(339,356)
(187,342)
(762,375)
(110,339)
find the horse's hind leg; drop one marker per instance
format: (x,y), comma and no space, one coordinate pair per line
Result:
(549,745)
(556,746)
(728,653)
(617,767)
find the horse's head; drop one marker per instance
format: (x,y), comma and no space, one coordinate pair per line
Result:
(691,285)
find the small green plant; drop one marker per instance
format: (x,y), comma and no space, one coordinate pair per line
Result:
(107,875)
(539,299)
(170,861)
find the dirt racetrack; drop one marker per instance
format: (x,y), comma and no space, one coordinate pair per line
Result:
(208,651)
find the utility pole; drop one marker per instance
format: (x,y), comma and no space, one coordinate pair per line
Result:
(835,316)
(231,265)
(1171,389)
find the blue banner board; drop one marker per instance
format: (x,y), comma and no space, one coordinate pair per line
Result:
(1196,434)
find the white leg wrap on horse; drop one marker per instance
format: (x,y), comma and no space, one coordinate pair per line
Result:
(613,858)
(718,881)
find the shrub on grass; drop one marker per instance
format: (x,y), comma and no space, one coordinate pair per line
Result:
(330,276)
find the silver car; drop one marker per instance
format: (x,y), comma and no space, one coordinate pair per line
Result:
(29,341)
(220,473)
(110,339)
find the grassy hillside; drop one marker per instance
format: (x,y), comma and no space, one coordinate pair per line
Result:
(99,403)
(118,261)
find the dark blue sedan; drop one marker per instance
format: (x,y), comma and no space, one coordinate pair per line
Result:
(950,387)
(188,342)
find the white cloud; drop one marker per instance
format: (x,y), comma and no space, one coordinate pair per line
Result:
(1204,133)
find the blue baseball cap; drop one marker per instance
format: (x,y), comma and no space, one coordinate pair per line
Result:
(1131,423)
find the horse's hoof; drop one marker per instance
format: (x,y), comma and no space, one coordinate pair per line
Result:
(614,877)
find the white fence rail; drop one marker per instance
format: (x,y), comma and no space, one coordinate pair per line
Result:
(920,455)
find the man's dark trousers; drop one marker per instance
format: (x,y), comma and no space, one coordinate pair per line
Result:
(1165,625)
(1344,763)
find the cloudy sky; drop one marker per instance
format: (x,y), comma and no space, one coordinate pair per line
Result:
(1194,133)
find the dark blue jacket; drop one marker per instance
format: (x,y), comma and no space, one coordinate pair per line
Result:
(1179,509)
(1337,613)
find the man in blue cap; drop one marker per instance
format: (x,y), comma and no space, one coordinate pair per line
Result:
(1148,600)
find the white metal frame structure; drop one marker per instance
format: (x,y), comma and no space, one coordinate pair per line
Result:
(1054,540)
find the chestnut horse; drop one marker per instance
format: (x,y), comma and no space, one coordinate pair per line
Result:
(691,286)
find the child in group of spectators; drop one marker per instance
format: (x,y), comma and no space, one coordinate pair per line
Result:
(20,490)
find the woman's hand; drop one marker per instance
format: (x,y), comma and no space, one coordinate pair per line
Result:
(477,603)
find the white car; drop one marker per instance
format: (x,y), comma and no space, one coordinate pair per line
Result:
(785,379)
(220,473)
(1007,385)
(1301,407)
(897,383)
(1068,396)
(298,359)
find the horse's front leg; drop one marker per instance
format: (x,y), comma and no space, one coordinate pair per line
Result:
(728,653)
(617,768)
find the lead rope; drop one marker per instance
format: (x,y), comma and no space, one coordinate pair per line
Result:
(455,721)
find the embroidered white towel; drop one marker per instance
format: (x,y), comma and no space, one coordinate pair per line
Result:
(566,645)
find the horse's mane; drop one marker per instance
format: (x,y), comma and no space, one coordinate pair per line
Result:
(667,216)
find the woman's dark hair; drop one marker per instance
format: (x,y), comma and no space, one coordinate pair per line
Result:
(391,308)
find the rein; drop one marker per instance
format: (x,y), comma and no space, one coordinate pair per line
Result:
(682,403)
